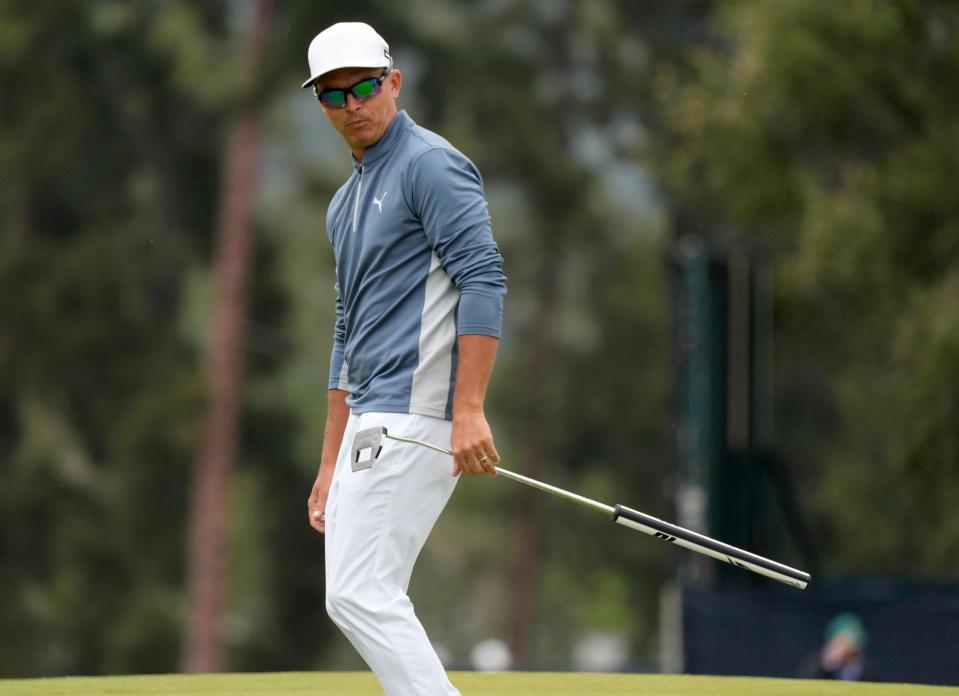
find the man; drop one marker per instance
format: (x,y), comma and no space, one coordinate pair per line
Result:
(419,298)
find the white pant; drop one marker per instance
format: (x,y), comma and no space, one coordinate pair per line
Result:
(377,521)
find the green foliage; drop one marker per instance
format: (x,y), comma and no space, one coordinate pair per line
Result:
(99,396)
(824,131)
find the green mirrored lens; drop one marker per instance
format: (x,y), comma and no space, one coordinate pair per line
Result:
(364,89)
(334,97)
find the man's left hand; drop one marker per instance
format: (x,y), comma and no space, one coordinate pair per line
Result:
(472,442)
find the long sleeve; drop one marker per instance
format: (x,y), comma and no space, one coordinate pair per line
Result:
(447,193)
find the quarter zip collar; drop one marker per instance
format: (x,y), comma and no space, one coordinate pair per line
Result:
(382,147)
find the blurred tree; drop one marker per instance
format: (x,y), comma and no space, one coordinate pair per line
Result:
(824,132)
(98,390)
(213,469)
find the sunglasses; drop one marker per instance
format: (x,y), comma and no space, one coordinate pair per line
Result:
(362,90)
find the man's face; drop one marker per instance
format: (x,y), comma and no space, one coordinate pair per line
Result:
(361,123)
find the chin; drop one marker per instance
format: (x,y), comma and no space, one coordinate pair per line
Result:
(367,138)
(359,142)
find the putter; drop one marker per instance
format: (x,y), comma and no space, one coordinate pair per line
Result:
(370,441)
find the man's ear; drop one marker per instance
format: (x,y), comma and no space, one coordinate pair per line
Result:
(394,81)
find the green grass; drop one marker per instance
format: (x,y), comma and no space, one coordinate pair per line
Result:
(469,683)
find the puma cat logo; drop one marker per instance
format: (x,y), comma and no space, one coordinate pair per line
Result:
(378,202)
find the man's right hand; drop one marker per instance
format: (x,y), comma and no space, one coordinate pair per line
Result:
(316,506)
(337,413)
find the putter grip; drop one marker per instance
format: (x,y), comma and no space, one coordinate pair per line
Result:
(694,541)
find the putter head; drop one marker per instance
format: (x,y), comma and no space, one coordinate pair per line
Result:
(367,444)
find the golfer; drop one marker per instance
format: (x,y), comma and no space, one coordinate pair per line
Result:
(419,297)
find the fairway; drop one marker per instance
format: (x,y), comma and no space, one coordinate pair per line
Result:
(469,683)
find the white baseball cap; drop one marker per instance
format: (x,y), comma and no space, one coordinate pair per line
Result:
(347,45)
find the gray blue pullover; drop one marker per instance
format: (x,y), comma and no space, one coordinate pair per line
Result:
(416,266)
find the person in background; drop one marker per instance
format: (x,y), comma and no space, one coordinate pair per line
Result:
(843,654)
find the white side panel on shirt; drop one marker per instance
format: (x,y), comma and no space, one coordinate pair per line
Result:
(431,378)
(344,381)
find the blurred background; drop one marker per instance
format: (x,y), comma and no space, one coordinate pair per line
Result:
(731,232)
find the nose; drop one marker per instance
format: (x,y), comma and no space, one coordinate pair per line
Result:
(352,103)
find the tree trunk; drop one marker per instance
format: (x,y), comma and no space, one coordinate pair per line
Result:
(21,218)
(536,450)
(207,551)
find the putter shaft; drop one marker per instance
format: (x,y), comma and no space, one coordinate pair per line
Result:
(653,526)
